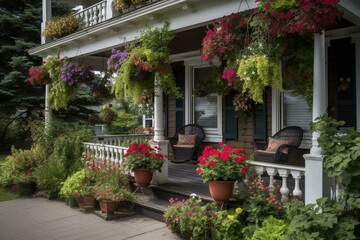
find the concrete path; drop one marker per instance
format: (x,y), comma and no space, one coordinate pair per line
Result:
(40,219)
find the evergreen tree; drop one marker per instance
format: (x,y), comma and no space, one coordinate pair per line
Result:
(20,30)
(20,23)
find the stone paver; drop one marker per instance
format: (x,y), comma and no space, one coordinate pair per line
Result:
(40,219)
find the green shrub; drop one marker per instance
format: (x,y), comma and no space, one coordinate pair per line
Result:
(21,165)
(271,229)
(65,158)
(73,184)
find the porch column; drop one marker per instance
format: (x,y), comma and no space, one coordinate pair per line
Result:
(159,139)
(46,15)
(314,174)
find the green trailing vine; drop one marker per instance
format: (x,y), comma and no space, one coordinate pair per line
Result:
(147,59)
(341,152)
(258,72)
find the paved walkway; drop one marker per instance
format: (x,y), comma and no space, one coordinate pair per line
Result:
(39,218)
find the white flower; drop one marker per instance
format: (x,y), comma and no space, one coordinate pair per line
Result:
(193,195)
(253,72)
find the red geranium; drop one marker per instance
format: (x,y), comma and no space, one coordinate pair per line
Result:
(143,156)
(222,163)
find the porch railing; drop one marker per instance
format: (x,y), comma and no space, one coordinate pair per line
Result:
(284,171)
(101,152)
(122,140)
(92,15)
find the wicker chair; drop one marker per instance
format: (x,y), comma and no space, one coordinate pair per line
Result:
(187,152)
(288,140)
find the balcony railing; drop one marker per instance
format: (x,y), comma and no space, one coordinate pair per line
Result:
(92,15)
(122,140)
(284,171)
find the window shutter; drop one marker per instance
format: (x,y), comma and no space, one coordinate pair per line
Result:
(165,114)
(230,119)
(260,122)
(179,74)
(296,111)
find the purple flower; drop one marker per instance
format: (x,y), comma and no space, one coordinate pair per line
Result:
(116,59)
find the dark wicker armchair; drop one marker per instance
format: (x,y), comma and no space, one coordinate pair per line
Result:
(283,145)
(183,151)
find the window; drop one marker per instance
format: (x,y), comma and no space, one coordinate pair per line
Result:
(291,110)
(205,111)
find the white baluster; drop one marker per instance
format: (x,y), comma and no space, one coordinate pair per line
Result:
(116,159)
(108,155)
(271,172)
(99,13)
(297,176)
(103,11)
(259,170)
(86,19)
(95,15)
(284,190)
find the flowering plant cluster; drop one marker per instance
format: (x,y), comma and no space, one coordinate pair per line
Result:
(299,16)
(112,184)
(243,102)
(190,219)
(262,201)
(143,156)
(107,113)
(222,163)
(146,59)
(74,73)
(115,60)
(224,40)
(39,75)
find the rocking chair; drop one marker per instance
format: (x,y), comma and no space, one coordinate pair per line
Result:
(186,142)
(280,147)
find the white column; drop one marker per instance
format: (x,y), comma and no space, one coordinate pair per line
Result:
(314,171)
(158,110)
(159,140)
(46,15)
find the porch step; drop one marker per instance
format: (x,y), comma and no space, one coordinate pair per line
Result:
(151,207)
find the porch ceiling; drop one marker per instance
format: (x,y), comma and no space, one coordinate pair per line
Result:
(351,10)
(116,32)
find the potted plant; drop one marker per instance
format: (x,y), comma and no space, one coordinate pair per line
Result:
(221,167)
(107,114)
(72,187)
(61,26)
(112,189)
(143,160)
(145,60)
(39,75)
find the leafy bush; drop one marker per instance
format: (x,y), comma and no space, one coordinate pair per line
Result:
(65,159)
(314,221)
(73,184)
(20,166)
(271,228)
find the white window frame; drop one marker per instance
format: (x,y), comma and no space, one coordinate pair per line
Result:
(278,118)
(211,134)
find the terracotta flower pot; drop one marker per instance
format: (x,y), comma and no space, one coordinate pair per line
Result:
(143,177)
(79,201)
(108,207)
(221,191)
(89,200)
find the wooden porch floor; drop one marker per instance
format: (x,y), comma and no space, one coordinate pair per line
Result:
(183,179)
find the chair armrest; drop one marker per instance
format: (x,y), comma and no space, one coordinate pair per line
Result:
(173,140)
(259,145)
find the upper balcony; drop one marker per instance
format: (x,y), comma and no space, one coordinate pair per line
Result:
(102,27)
